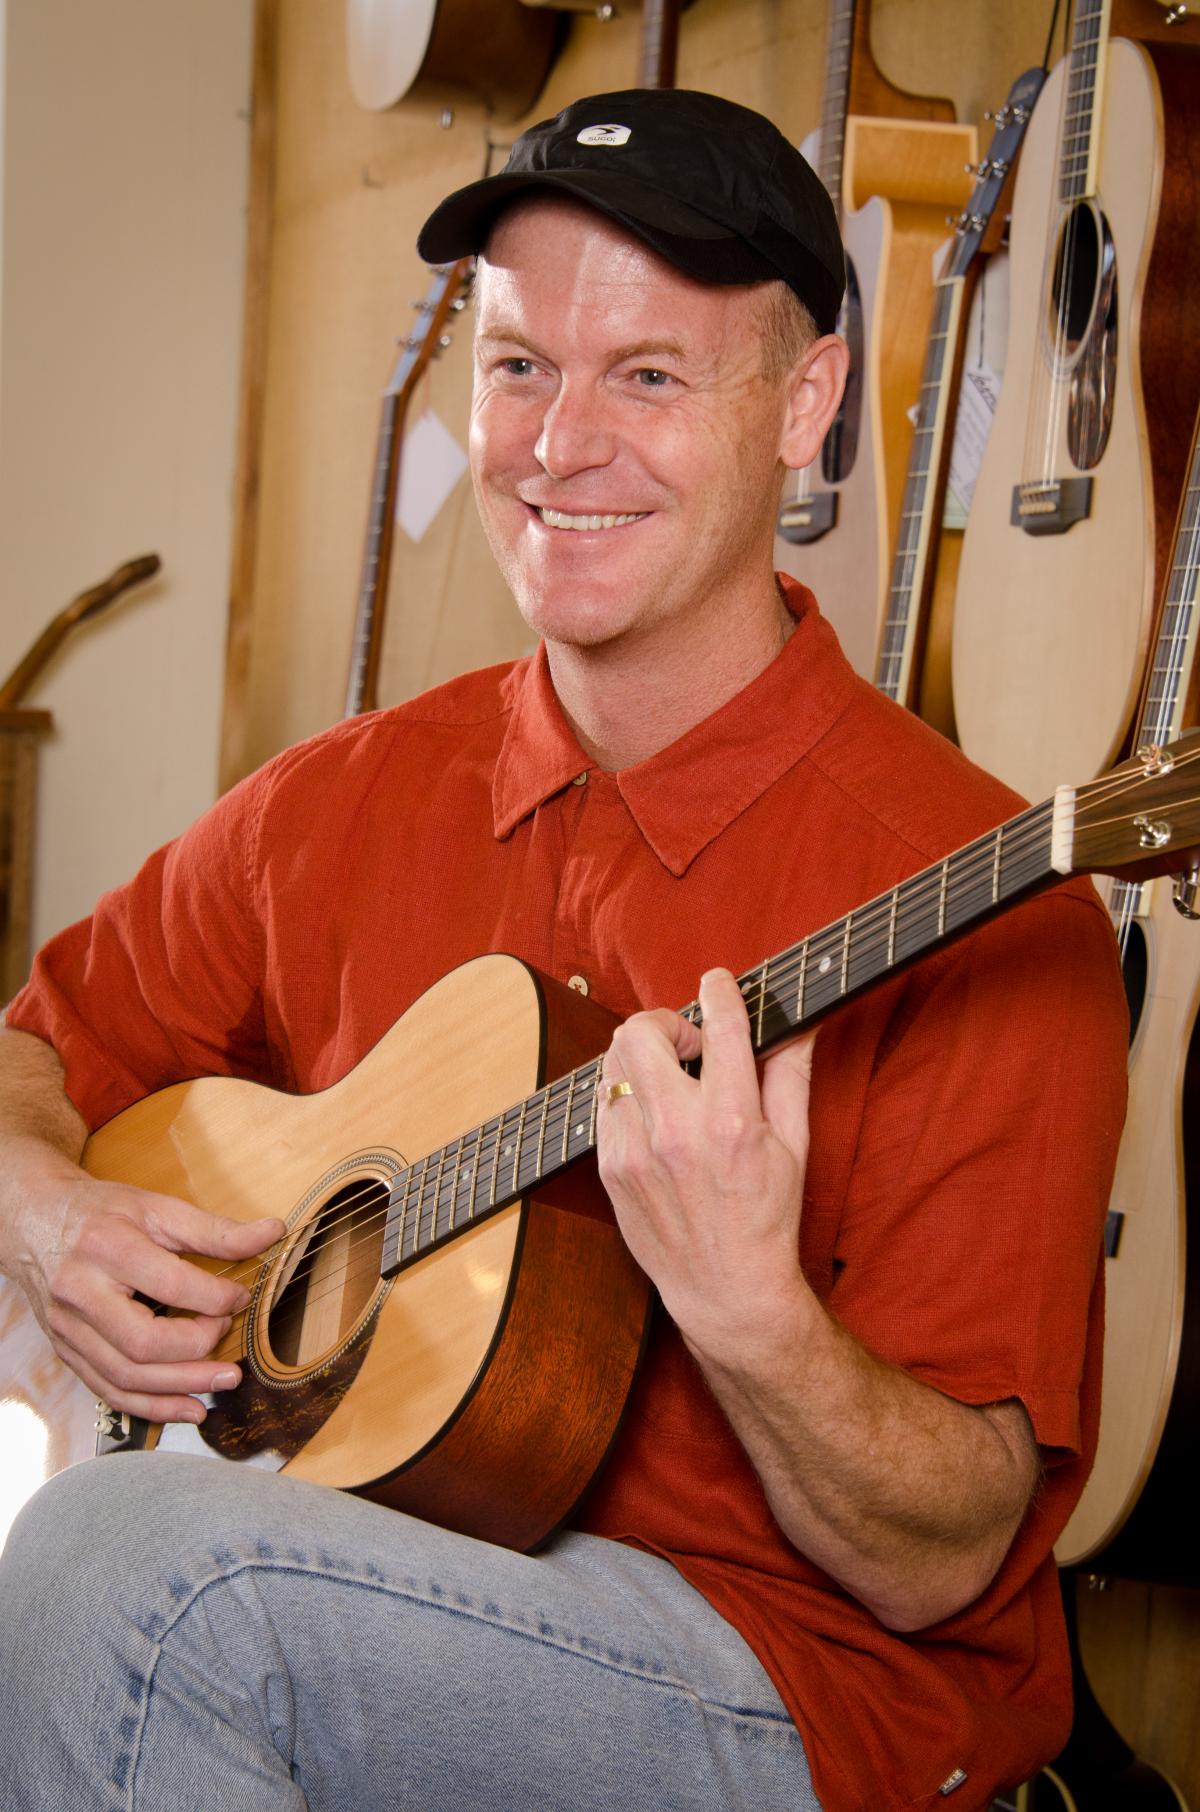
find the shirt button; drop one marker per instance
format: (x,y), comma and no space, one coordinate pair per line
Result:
(579,982)
(580,779)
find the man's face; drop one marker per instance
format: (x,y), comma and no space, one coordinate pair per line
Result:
(624,440)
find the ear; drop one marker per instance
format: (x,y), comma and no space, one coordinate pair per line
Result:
(814,393)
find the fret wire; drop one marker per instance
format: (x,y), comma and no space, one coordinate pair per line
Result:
(996,865)
(569,1114)
(942,898)
(595,1103)
(846,949)
(541,1146)
(496,1161)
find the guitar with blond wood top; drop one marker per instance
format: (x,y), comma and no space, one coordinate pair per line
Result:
(1134,1517)
(1068,540)
(428,1332)
(902,670)
(893,164)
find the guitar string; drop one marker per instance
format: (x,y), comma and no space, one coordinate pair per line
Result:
(1044,414)
(553,1117)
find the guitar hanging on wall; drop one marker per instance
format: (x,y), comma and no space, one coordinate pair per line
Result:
(893,163)
(902,671)
(447,294)
(1067,543)
(499,54)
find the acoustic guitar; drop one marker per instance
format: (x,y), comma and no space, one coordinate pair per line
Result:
(429,1334)
(1068,539)
(902,670)
(1135,1516)
(893,163)
(499,53)
(447,294)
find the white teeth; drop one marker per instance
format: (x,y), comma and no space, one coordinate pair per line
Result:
(556,519)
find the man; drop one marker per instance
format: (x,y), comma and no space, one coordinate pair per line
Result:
(815,1570)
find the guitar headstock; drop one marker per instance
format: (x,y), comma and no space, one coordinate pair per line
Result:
(1142,818)
(448,294)
(993,176)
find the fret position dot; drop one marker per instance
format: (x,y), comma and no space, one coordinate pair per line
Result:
(825,965)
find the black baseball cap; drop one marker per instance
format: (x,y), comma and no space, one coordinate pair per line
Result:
(715,188)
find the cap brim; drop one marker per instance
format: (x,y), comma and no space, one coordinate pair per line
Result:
(461,225)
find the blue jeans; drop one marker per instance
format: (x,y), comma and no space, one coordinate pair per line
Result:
(178,1636)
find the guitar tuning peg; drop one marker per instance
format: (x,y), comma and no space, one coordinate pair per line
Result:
(458,304)
(444,341)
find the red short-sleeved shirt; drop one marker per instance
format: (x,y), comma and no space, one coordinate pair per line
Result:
(961,1151)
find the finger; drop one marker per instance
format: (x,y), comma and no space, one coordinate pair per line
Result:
(160,1393)
(786,1087)
(182,1227)
(729,1073)
(118,1248)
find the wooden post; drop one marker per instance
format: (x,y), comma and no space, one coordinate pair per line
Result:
(19,732)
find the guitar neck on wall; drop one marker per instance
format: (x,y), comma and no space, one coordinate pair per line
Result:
(447,294)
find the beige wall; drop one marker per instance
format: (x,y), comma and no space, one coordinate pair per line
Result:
(125,134)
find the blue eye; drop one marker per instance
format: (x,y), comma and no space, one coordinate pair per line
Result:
(652,378)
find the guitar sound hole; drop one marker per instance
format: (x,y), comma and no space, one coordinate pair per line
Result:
(1076,274)
(330,1274)
(1135,967)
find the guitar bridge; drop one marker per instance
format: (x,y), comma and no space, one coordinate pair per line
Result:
(117,1432)
(1051,508)
(808,518)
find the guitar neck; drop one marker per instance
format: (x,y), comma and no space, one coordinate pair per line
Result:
(1080,139)
(511,1154)
(659,44)
(835,96)
(363,682)
(898,663)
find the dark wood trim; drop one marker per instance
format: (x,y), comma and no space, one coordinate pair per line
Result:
(232,757)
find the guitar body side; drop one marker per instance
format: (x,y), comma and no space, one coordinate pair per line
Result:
(476,1042)
(1051,632)
(1145,1280)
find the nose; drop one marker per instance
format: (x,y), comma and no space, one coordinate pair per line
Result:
(575,436)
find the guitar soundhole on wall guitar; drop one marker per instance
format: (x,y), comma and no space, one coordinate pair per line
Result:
(1082,329)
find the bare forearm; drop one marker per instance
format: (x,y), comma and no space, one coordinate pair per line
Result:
(907,1497)
(34,1105)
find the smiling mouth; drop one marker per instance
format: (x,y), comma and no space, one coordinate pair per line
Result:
(558,519)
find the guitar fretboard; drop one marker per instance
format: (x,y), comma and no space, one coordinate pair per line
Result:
(1085,76)
(835,98)
(508,1156)
(896,648)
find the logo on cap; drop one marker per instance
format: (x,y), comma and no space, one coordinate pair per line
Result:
(603,135)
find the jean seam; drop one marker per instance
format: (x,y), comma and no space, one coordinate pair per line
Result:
(745,1714)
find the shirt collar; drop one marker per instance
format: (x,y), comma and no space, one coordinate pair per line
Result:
(687,794)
